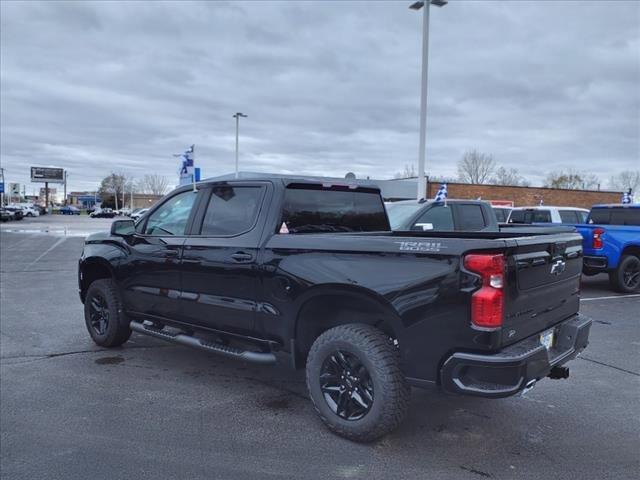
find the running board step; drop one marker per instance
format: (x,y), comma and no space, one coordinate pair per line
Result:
(211,347)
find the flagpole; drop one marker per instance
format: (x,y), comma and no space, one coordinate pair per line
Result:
(193,173)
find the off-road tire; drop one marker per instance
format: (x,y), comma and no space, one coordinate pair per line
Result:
(617,276)
(117,329)
(381,359)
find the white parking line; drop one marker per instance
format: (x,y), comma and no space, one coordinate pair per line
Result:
(610,297)
(58,242)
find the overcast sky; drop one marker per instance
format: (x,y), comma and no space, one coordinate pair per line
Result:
(329,87)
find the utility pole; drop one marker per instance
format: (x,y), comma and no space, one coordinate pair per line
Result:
(422,184)
(3,187)
(65,187)
(237,117)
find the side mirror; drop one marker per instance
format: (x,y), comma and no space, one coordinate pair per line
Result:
(122,228)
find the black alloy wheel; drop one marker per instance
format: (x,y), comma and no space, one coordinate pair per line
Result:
(99,314)
(631,274)
(346,385)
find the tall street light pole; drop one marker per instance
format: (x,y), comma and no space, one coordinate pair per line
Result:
(237,117)
(422,183)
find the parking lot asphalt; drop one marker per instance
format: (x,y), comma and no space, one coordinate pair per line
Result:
(72,410)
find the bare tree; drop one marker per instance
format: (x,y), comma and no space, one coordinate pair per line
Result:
(408,172)
(625,180)
(590,181)
(572,179)
(508,177)
(154,184)
(476,167)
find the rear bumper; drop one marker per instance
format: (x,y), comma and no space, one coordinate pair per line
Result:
(595,263)
(515,367)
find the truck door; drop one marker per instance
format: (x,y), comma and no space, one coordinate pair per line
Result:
(151,274)
(219,262)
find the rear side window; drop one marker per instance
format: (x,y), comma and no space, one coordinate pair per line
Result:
(530,216)
(470,218)
(313,208)
(625,216)
(517,216)
(569,216)
(437,218)
(582,216)
(231,210)
(541,216)
(501,214)
(600,216)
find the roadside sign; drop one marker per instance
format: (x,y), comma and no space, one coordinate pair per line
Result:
(47,174)
(1,187)
(501,203)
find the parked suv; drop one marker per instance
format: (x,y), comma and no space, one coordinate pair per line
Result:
(545,214)
(310,273)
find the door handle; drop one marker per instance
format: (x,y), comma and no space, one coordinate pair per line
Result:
(172,253)
(242,257)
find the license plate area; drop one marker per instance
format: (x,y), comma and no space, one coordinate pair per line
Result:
(547,338)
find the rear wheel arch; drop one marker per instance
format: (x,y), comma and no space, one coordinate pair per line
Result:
(631,250)
(329,308)
(93,269)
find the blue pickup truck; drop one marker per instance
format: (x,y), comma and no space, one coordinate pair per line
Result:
(611,244)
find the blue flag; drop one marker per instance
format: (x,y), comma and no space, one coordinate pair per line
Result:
(441,196)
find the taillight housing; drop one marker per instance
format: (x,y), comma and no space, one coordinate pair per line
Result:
(487,304)
(597,241)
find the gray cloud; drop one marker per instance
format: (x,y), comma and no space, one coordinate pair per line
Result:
(328,86)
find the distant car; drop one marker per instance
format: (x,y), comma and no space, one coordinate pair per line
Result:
(124,211)
(28,210)
(41,210)
(70,210)
(502,213)
(548,214)
(16,212)
(138,212)
(5,215)
(103,213)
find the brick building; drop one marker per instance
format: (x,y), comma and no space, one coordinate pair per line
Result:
(527,196)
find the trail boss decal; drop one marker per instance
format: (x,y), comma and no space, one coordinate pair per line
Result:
(420,246)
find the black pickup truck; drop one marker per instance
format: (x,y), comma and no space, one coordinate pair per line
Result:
(268,269)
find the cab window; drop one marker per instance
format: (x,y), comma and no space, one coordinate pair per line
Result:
(470,218)
(569,216)
(582,216)
(437,218)
(172,216)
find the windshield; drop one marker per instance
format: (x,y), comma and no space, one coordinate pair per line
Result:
(400,213)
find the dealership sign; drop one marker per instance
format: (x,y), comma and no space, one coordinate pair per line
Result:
(47,174)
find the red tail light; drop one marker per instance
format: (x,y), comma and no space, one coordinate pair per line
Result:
(487,304)
(597,238)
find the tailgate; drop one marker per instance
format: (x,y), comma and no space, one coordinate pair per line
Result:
(543,284)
